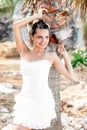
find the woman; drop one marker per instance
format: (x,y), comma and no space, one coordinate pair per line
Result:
(34,108)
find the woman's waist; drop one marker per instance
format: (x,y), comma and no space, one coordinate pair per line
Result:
(35,89)
(34,95)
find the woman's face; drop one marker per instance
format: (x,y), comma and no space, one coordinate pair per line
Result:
(41,38)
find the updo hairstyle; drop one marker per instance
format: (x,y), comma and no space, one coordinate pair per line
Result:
(39,25)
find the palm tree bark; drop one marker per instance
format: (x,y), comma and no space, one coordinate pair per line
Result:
(54,84)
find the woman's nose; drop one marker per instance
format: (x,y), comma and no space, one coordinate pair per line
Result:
(43,40)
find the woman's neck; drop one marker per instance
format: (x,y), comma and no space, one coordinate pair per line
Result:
(38,50)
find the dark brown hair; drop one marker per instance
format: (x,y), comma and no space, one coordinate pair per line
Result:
(39,25)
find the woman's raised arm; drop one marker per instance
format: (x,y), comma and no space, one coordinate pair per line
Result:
(17,25)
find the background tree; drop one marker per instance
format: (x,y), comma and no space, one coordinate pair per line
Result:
(8,6)
(80,5)
(6,12)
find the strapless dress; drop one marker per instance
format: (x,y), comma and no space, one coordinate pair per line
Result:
(34,104)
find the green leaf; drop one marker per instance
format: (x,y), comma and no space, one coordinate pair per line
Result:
(79,57)
(8,6)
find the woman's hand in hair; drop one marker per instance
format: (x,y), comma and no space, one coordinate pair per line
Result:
(41,11)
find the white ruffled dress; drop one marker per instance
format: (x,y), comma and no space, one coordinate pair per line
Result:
(35,106)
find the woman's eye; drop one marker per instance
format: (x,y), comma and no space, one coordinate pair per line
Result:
(39,37)
(47,37)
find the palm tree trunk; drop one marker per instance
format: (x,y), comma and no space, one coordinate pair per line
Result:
(54,84)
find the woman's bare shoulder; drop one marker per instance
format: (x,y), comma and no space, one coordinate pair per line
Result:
(52,56)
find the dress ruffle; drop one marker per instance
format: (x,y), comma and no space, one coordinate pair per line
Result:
(32,114)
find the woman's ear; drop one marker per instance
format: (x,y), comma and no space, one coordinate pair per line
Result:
(31,36)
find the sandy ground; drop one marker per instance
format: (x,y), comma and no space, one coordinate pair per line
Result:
(10,65)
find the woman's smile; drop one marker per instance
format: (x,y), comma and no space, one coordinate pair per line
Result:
(42,44)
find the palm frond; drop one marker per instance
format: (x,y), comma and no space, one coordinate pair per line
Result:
(80,5)
(8,6)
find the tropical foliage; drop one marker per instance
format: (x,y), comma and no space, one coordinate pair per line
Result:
(7,6)
(79,57)
(80,5)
